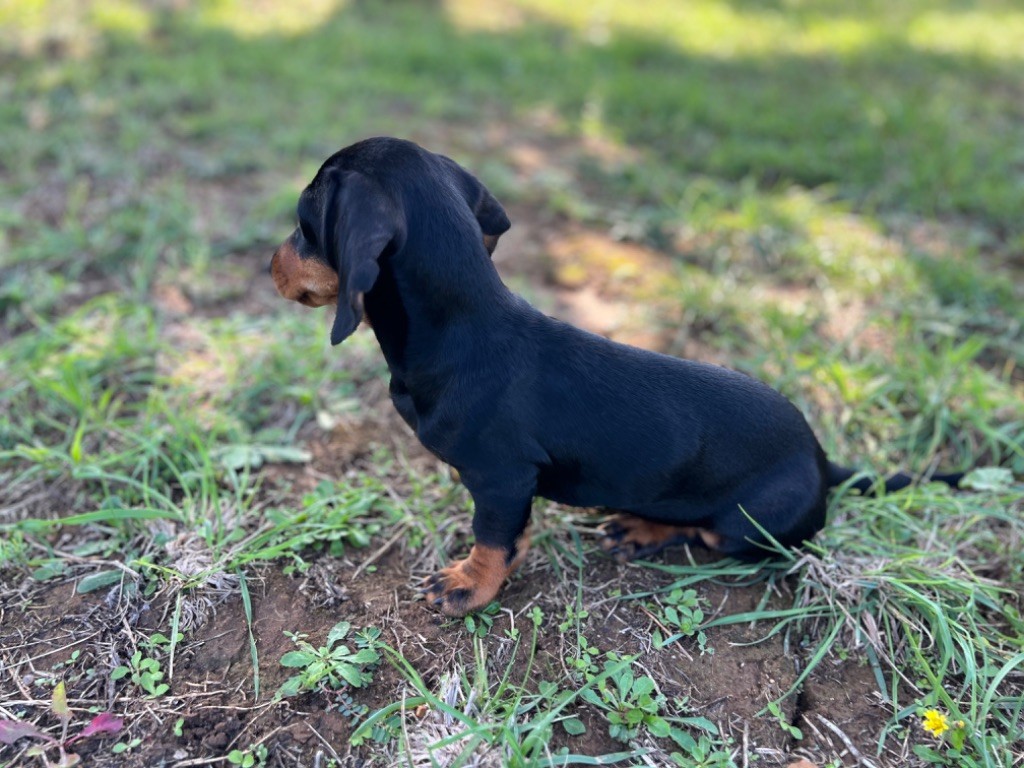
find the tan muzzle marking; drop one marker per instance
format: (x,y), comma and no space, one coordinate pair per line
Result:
(307,281)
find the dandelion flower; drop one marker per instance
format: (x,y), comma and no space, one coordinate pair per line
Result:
(935,722)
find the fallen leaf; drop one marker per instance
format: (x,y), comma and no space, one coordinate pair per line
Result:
(239,457)
(99,580)
(12,730)
(988,479)
(801,763)
(102,723)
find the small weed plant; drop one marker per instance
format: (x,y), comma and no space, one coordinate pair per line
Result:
(144,667)
(479,624)
(775,710)
(629,703)
(632,705)
(680,611)
(145,672)
(499,717)
(333,666)
(249,758)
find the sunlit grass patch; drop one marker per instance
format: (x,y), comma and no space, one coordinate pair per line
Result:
(801,27)
(796,92)
(107,369)
(268,17)
(983,33)
(80,375)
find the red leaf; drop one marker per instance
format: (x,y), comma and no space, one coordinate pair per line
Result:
(12,730)
(102,723)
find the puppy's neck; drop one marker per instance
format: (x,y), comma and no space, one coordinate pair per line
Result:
(423,306)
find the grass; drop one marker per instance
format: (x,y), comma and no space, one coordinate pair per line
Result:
(825,195)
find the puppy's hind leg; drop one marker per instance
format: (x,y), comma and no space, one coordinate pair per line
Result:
(628,537)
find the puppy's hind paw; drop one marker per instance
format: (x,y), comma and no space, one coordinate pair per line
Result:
(628,537)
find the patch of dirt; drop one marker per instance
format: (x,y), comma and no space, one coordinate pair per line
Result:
(840,712)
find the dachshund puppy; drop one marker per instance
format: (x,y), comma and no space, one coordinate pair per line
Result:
(524,405)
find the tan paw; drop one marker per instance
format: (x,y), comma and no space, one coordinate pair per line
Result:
(628,537)
(470,584)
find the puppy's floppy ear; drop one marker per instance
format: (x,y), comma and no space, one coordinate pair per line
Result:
(489,214)
(360,222)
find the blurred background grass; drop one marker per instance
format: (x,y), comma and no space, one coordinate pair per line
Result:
(914,106)
(826,193)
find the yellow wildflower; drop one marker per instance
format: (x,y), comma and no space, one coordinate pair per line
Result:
(935,722)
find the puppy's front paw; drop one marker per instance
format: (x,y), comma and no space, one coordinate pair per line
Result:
(469,584)
(454,592)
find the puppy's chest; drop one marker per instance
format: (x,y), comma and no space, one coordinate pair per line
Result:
(434,435)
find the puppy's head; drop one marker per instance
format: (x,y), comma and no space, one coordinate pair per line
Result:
(346,221)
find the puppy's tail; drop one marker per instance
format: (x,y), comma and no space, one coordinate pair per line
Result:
(868,485)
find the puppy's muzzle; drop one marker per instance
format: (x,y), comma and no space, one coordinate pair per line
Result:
(308,281)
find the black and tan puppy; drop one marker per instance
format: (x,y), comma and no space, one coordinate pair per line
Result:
(523,405)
